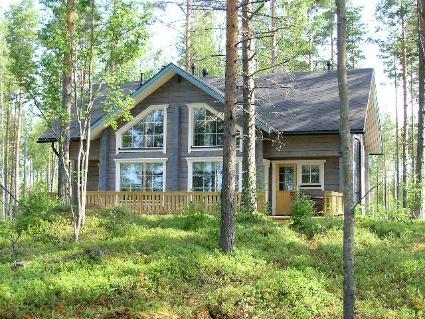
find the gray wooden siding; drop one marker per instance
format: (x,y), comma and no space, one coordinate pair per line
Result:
(315,146)
(93,176)
(178,94)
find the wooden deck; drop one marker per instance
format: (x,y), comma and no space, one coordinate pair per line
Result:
(159,203)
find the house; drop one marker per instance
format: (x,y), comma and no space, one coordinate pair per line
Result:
(174,142)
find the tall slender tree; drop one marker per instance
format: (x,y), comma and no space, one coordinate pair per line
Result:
(249,180)
(347,161)
(418,209)
(64,177)
(20,39)
(228,192)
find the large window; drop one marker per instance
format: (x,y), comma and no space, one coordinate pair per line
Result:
(147,177)
(310,175)
(147,133)
(207,128)
(207,176)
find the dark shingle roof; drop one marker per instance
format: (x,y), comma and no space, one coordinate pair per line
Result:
(98,112)
(297,103)
(308,102)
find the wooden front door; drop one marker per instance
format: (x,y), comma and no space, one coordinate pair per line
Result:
(285,188)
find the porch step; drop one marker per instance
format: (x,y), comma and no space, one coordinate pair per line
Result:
(282,219)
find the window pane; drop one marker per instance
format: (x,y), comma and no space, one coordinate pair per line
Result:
(315,169)
(141,177)
(305,179)
(127,140)
(305,169)
(207,128)
(315,179)
(148,132)
(207,176)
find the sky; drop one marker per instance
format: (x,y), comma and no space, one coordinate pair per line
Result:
(164,38)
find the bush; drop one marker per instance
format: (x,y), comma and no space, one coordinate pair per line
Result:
(195,218)
(116,220)
(303,208)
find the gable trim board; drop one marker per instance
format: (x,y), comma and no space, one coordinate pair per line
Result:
(190,147)
(136,119)
(298,163)
(158,80)
(119,161)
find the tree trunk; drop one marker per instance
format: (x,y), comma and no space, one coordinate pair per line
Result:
(2,110)
(418,211)
(228,200)
(65,137)
(249,179)
(188,35)
(16,148)
(6,161)
(397,144)
(347,160)
(405,118)
(273,34)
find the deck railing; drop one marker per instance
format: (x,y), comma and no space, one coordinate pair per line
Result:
(333,203)
(163,202)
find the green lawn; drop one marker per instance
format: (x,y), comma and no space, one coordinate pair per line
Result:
(170,267)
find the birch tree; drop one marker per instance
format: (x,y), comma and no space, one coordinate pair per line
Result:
(20,40)
(347,161)
(228,192)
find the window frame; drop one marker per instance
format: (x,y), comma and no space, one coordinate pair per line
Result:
(191,127)
(321,184)
(118,163)
(191,160)
(309,174)
(119,133)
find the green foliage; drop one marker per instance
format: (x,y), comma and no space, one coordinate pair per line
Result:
(195,218)
(21,41)
(161,267)
(302,208)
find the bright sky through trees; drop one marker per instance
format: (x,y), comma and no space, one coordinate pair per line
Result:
(165,38)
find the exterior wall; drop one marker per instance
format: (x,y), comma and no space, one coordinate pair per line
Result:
(299,146)
(177,95)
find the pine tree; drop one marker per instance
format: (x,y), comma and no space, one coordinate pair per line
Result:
(228,192)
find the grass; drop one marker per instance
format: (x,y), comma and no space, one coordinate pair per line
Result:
(128,266)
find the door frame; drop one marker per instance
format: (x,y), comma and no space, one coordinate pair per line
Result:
(297,163)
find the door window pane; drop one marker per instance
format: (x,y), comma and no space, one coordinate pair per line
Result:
(286,179)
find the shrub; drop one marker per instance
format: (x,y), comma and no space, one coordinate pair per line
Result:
(195,218)
(302,208)
(116,220)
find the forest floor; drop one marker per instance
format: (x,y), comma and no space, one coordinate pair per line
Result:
(128,266)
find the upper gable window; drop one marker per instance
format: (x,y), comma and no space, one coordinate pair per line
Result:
(207,128)
(147,133)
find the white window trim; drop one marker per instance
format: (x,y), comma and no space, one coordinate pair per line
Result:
(191,160)
(119,161)
(190,147)
(141,115)
(298,163)
(311,185)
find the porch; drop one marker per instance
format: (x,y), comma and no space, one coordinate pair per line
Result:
(161,203)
